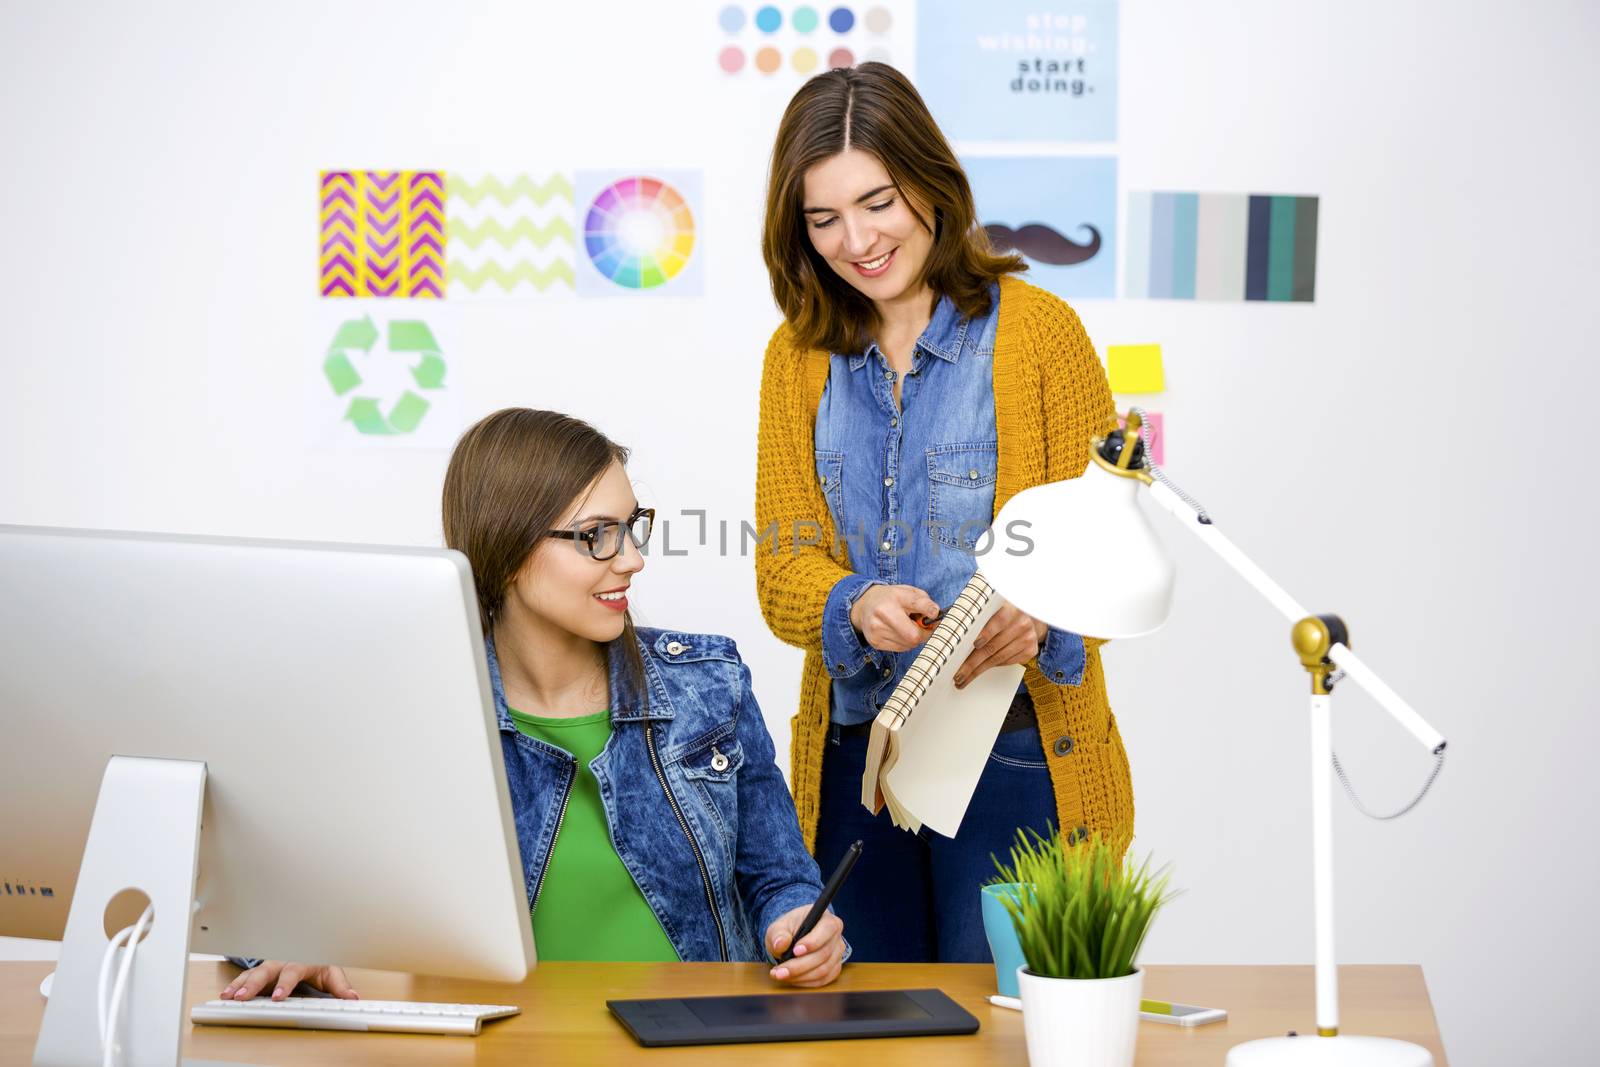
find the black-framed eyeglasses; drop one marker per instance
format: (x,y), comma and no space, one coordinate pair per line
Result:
(603,540)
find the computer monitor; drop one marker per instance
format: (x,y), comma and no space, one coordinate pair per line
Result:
(333,700)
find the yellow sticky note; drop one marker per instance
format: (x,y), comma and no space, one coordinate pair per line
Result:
(1135,368)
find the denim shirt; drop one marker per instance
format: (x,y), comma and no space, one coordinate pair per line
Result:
(911,492)
(698,811)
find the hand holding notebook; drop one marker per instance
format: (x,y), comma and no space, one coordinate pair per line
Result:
(931,741)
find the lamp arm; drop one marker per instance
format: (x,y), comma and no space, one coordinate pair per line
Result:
(1201,526)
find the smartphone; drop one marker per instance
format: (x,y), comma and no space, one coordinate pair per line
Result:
(1180,1014)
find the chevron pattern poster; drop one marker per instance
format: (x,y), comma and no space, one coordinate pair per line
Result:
(383,233)
(510,235)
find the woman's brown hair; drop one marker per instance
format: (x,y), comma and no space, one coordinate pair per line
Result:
(872,107)
(510,479)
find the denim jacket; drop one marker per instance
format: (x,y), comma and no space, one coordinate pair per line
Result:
(698,811)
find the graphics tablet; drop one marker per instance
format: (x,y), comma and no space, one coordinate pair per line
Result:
(792,1017)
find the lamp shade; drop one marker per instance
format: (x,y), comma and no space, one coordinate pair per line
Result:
(1096,566)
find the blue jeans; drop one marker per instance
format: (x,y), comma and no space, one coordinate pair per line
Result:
(913,898)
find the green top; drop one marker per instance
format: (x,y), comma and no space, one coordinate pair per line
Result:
(589,907)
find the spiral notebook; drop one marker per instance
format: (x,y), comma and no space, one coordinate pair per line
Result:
(931,741)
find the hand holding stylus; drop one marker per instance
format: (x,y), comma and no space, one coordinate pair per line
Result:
(802,937)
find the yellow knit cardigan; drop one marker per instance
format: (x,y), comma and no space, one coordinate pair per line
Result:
(1050,397)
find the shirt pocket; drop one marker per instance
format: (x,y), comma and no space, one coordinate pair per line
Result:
(830,475)
(713,773)
(961,493)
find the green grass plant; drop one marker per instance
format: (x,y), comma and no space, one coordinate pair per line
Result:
(1082,910)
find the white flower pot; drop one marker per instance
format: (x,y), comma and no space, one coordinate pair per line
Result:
(1080,1022)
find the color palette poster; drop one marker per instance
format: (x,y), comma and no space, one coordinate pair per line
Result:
(510,235)
(792,42)
(382,233)
(1059,212)
(1222,246)
(1019,70)
(640,233)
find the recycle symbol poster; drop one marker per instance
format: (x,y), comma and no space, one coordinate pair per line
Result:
(384,374)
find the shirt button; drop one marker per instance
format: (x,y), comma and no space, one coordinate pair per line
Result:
(894,422)
(888,671)
(888,481)
(973,475)
(887,546)
(889,375)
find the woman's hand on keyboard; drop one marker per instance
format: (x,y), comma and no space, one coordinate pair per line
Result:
(281,978)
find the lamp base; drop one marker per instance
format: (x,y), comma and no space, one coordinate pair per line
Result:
(1341,1051)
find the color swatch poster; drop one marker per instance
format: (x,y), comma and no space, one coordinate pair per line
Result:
(1019,70)
(1222,246)
(639,233)
(1059,212)
(510,235)
(757,41)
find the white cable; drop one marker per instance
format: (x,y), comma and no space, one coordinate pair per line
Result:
(103,1000)
(118,991)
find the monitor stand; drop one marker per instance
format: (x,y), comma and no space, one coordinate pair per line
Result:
(145,834)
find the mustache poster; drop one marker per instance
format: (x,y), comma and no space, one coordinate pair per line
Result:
(1059,213)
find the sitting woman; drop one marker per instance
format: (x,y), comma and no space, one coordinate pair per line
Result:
(652,819)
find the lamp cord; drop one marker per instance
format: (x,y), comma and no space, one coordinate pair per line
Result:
(1145,435)
(1438,765)
(1160,475)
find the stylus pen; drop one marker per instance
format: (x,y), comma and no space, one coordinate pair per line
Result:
(840,873)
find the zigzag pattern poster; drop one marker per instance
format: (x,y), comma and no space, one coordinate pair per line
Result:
(510,236)
(382,233)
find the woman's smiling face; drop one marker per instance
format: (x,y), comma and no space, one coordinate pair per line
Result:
(861,224)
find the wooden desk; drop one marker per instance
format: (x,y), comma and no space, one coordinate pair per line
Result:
(564,1018)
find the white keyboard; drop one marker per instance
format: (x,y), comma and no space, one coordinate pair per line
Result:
(333,1013)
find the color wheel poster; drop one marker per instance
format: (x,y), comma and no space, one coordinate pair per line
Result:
(1059,212)
(639,233)
(1019,70)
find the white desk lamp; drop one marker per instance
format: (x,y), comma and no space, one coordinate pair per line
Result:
(1097,568)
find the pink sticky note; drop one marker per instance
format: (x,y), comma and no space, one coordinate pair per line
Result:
(1155,434)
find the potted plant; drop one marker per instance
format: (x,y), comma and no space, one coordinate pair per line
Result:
(1081,914)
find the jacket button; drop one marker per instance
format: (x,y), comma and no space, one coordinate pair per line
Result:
(839,667)
(1075,836)
(719,762)
(888,481)
(973,475)
(1061,676)
(674,648)
(1063,746)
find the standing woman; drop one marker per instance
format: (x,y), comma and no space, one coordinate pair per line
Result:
(915,385)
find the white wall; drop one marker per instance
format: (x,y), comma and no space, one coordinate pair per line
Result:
(1405,451)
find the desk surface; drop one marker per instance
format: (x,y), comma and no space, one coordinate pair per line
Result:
(564,1018)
